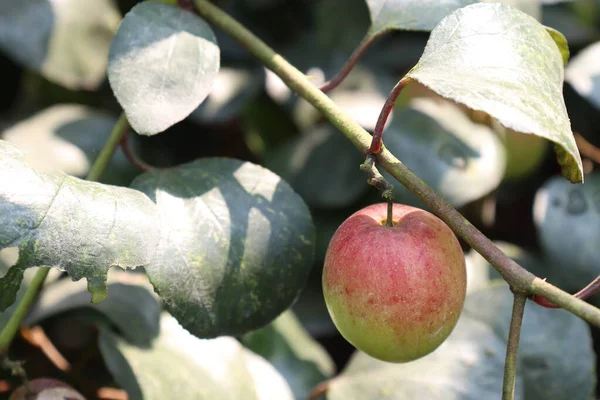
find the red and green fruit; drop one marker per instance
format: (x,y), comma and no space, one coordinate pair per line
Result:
(394,292)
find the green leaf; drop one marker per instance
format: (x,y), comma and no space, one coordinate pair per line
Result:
(555,352)
(326,154)
(80,227)
(583,74)
(162,64)
(180,366)
(416,15)
(459,159)
(66,41)
(291,350)
(567,219)
(497,59)
(69,137)
(131,305)
(468,365)
(236,248)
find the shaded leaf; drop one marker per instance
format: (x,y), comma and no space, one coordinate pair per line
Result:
(180,366)
(418,15)
(67,41)
(69,137)
(468,365)
(567,219)
(341,33)
(556,350)
(497,59)
(583,73)
(233,88)
(76,226)
(236,247)
(531,7)
(326,154)
(131,304)
(298,358)
(162,64)
(459,159)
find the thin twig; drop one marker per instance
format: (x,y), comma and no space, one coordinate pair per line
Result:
(583,294)
(319,390)
(388,106)
(132,157)
(364,45)
(587,149)
(512,348)
(513,273)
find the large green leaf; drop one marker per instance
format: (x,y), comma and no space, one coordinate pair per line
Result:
(583,73)
(326,154)
(236,247)
(418,15)
(69,137)
(469,365)
(461,160)
(291,350)
(499,60)
(567,218)
(161,66)
(556,350)
(180,366)
(67,41)
(131,305)
(80,227)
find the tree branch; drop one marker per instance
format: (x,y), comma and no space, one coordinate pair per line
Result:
(517,277)
(512,348)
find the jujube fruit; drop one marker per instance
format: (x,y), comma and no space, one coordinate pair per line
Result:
(395,293)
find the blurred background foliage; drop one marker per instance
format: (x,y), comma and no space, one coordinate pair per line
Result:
(56,105)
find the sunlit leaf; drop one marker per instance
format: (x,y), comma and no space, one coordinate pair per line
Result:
(162,64)
(179,366)
(499,60)
(236,247)
(67,41)
(298,357)
(70,224)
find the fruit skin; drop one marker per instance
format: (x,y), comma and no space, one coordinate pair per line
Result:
(395,293)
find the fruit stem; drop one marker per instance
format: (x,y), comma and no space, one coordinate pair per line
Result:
(365,43)
(512,348)
(319,390)
(380,183)
(583,294)
(387,108)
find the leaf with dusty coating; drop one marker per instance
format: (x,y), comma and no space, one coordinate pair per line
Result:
(236,248)
(499,60)
(80,227)
(162,64)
